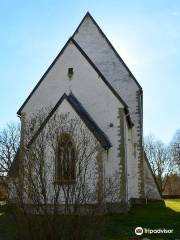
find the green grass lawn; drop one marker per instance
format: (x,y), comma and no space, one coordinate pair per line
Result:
(173,204)
(155,215)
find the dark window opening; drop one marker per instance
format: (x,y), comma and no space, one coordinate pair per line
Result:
(70,72)
(65,163)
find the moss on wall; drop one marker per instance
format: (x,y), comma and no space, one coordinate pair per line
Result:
(122,156)
(140,146)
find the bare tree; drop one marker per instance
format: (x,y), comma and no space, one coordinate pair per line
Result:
(9,144)
(42,156)
(9,168)
(172,185)
(50,187)
(175,151)
(160,159)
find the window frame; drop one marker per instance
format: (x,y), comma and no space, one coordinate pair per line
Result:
(59,176)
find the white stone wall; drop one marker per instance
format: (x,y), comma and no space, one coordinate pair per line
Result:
(91,174)
(96,97)
(99,51)
(90,90)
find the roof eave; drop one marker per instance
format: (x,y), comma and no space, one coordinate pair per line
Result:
(105,143)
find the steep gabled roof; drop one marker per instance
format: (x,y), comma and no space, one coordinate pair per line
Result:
(85,117)
(130,123)
(150,169)
(90,62)
(100,74)
(109,43)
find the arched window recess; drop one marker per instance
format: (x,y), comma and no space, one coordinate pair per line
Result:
(65,159)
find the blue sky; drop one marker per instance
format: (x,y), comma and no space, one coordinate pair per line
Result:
(145,33)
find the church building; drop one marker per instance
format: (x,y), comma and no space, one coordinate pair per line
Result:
(89,81)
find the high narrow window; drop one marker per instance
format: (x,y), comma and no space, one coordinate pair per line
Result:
(65,161)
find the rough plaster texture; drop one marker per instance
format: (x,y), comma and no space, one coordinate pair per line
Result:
(92,174)
(131,174)
(99,101)
(122,157)
(97,48)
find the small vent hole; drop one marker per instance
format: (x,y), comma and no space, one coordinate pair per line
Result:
(70,72)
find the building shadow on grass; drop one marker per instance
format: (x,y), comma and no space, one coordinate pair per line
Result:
(154,215)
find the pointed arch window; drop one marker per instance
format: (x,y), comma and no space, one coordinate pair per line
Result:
(65,161)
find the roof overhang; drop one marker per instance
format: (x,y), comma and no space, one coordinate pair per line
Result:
(85,117)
